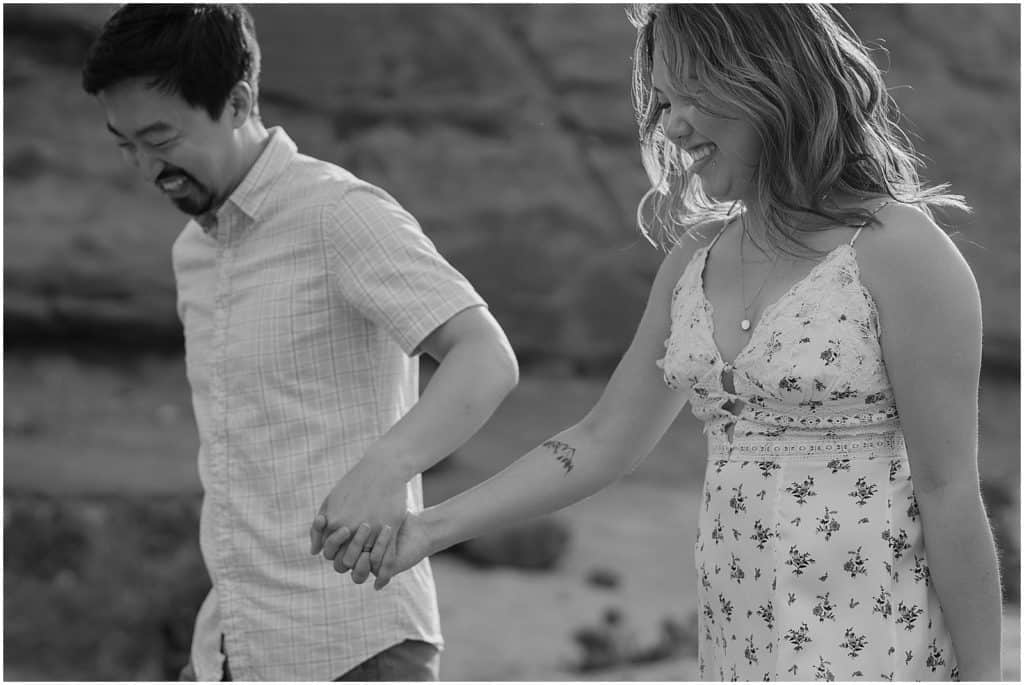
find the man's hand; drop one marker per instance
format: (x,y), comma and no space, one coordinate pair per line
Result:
(371,496)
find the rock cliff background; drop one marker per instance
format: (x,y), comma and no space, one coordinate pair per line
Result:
(507,130)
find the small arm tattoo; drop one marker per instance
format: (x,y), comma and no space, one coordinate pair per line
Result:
(563,453)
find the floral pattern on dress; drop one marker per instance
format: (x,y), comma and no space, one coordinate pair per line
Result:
(810,555)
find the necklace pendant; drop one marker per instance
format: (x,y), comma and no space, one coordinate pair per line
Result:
(745,324)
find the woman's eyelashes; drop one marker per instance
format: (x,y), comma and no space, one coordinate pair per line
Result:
(693,99)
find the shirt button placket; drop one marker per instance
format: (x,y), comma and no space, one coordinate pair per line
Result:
(218,393)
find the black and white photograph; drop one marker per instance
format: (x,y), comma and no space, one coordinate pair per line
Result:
(536,342)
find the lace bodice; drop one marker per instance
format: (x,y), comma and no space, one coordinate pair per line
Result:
(813,361)
(809,531)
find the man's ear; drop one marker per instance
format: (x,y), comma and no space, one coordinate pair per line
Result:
(241,103)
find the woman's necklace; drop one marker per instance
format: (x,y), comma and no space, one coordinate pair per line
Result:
(745,322)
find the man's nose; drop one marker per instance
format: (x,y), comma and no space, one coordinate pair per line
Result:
(148,165)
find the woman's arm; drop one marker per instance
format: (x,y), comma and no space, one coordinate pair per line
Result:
(930,316)
(632,414)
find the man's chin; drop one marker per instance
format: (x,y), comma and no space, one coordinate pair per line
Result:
(191,206)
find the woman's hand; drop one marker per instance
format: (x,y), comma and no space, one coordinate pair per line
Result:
(392,556)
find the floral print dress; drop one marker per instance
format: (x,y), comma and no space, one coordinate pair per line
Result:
(810,555)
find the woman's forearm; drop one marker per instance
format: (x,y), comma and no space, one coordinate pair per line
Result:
(963,566)
(560,471)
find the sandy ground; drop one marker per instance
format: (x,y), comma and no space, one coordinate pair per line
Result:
(88,428)
(518,626)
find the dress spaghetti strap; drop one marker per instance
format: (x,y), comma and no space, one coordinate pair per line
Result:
(861,227)
(720,232)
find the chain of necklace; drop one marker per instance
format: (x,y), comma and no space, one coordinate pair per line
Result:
(745,322)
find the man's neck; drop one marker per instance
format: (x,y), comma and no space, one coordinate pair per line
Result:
(254,138)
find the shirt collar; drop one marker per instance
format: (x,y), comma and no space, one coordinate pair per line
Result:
(250,194)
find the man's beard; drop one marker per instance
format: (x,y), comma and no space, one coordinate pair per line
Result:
(197,201)
(195,206)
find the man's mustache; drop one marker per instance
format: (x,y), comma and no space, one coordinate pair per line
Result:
(171,173)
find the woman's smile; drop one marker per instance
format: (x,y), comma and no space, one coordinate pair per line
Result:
(701,154)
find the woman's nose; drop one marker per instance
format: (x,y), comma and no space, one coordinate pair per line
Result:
(677,125)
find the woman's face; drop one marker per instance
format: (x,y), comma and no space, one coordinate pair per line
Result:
(723,144)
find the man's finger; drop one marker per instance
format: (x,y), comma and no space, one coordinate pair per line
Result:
(379,548)
(334,542)
(344,562)
(316,533)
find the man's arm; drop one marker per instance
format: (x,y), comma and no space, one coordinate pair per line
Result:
(631,416)
(477,371)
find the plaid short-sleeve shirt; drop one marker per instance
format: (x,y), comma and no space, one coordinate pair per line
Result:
(303,304)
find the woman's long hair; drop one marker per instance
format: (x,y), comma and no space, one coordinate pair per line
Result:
(808,85)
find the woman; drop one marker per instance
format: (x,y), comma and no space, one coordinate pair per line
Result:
(828,335)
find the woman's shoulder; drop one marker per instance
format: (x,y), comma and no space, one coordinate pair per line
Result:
(903,232)
(683,251)
(904,252)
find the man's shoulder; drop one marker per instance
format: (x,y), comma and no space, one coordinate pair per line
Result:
(316,176)
(330,186)
(343,198)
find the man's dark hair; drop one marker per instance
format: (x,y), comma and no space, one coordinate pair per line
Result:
(196,51)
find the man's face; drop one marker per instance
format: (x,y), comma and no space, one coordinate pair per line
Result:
(179,148)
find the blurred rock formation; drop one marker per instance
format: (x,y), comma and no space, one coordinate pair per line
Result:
(507,130)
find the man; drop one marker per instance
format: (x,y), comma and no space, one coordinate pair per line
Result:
(305,296)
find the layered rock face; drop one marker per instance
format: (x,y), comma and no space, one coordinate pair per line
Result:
(507,130)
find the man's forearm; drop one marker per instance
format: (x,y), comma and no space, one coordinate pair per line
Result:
(471,381)
(963,567)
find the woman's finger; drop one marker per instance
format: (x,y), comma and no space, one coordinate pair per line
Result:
(361,570)
(387,567)
(379,548)
(344,562)
(334,542)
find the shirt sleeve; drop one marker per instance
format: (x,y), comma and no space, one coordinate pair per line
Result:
(389,270)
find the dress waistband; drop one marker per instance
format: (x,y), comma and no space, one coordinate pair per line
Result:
(864,446)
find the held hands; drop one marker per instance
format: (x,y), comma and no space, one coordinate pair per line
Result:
(373,493)
(389,554)
(387,540)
